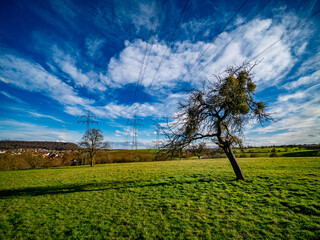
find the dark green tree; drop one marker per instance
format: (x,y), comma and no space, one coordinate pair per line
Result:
(219,111)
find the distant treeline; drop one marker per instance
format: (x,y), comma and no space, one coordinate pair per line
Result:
(305,146)
(9,145)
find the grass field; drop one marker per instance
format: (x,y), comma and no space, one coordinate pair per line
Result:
(294,151)
(187,199)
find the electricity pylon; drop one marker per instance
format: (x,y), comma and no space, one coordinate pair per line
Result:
(88,120)
(157,134)
(135,123)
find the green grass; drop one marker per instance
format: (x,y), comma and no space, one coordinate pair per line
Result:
(189,199)
(279,151)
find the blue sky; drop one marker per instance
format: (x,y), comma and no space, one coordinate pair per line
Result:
(59,59)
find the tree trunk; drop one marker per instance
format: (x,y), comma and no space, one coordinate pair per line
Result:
(92,160)
(234,163)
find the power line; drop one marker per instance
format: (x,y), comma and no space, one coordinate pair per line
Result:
(153,40)
(164,55)
(146,49)
(212,42)
(287,34)
(223,48)
(271,45)
(144,55)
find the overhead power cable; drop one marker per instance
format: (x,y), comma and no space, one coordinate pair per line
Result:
(170,42)
(212,42)
(304,21)
(223,48)
(143,64)
(145,52)
(146,49)
(153,40)
(164,55)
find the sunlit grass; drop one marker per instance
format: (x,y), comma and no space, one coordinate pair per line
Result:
(185,199)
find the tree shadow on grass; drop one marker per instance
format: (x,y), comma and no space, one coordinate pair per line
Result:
(61,189)
(90,187)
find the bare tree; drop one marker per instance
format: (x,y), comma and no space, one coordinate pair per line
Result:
(92,141)
(218,112)
(198,149)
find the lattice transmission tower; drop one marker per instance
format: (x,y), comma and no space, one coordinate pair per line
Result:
(157,136)
(88,120)
(135,123)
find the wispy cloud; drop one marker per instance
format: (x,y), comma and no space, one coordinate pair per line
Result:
(298,118)
(4,80)
(304,81)
(137,13)
(33,77)
(113,110)
(39,115)
(67,64)
(122,133)
(93,45)
(11,97)
(17,130)
(105,54)
(241,44)
(74,110)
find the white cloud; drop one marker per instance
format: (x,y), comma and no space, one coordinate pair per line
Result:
(93,46)
(234,47)
(302,81)
(67,64)
(286,97)
(33,77)
(194,27)
(251,39)
(39,115)
(311,64)
(113,110)
(138,13)
(231,47)
(15,130)
(122,133)
(4,80)
(300,50)
(11,97)
(127,67)
(298,119)
(74,110)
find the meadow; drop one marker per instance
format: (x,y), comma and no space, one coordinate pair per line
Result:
(278,151)
(182,199)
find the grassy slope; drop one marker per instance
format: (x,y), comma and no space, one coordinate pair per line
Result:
(280,152)
(170,200)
